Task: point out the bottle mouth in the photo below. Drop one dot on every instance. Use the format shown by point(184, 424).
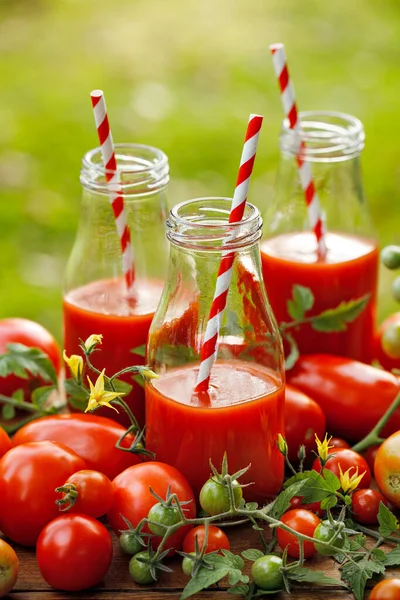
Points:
point(328, 136)
point(141, 170)
point(203, 224)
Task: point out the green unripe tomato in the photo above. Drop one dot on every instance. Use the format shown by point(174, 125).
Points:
point(162, 515)
point(396, 289)
point(140, 571)
point(129, 543)
point(214, 497)
point(390, 340)
point(324, 532)
point(266, 572)
point(187, 564)
point(390, 256)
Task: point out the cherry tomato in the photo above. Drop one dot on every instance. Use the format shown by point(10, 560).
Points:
point(346, 458)
point(387, 469)
point(187, 564)
point(266, 572)
point(337, 442)
point(390, 256)
point(303, 419)
point(29, 474)
point(140, 571)
point(365, 506)
point(370, 456)
point(214, 497)
point(162, 517)
point(133, 499)
point(387, 343)
point(129, 543)
point(8, 568)
point(94, 493)
point(388, 589)
point(92, 437)
point(5, 442)
point(303, 521)
point(315, 507)
point(74, 552)
point(324, 533)
point(29, 333)
point(217, 539)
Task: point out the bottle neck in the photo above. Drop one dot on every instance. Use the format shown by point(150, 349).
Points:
point(202, 225)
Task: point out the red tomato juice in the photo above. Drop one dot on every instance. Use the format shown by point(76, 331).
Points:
point(242, 414)
point(348, 271)
point(103, 307)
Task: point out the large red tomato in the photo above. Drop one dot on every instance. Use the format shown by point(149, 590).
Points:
point(303, 419)
point(133, 499)
point(346, 458)
point(29, 475)
point(5, 442)
point(91, 436)
point(387, 468)
point(74, 552)
point(29, 333)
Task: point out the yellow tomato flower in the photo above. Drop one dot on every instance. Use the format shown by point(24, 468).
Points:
point(282, 445)
point(350, 482)
point(99, 396)
point(75, 364)
point(95, 338)
point(323, 447)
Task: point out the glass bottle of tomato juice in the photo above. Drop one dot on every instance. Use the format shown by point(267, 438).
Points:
point(242, 411)
point(96, 298)
point(349, 270)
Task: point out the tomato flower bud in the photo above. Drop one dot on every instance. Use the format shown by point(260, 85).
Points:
point(350, 482)
point(92, 341)
point(282, 445)
point(148, 374)
point(75, 364)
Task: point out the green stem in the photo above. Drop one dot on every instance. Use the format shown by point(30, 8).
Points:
point(92, 367)
point(11, 429)
point(373, 438)
point(123, 404)
point(126, 370)
point(18, 403)
point(375, 534)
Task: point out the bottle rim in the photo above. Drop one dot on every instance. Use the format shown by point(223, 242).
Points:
point(142, 169)
point(328, 136)
point(203, 224)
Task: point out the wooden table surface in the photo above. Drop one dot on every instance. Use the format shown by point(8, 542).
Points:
point(118, 585)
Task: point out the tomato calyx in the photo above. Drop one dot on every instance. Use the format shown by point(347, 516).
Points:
point(153, 560)
point(70, 497)
point(133, 539)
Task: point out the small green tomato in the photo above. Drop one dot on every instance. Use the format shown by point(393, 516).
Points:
point(129, 543)
point(324, 532)
point(187, 564)
point(214, 497)
point(266, 572)
point(390, 256)
point(162, 517)
point(140, 571)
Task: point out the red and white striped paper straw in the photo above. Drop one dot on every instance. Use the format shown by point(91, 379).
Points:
point(289, 106)
point(112, 177)
point(209, 348)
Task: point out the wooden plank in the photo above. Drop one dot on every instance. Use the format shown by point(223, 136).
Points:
point(118, 584)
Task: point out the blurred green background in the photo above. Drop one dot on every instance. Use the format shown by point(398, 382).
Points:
point(182, 75)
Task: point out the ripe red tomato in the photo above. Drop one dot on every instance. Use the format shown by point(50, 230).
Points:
point(387, 469)
point(217, 539)
point(365, 506)
point(29, 333)
point(5, 442)
point(315, 507)
point(74, 552)
point(303, 419)
point(388, 589)
point(387, 343)
point(337, 442)
point(346, 458)
point(133, 499)
point(370, 456)
point(303, 521)
point(95, 493)
point(91, 436)
point(8, 568)
point(29, 474)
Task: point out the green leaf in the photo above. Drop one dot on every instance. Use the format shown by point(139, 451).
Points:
point(21, 360)
point(392, 559)
point(358, 542)
point(77, 395)
point(240, 590)
point(40, 395)
point(252, 554)
point(293, 356)
point(388, 522)
point(302, 300)
point(329, 502)
point(332, 480)
point(282, 502)
point(138, 379)
point(336, 319)
point(316, 487)
point(251, 505)
point(378, 555)
point(18, 395)
point(139, 350)
point(234, 576)
point(203, 579)
point(123, 386)
point(357, 574)
point(7, 412)
point(305, 575)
